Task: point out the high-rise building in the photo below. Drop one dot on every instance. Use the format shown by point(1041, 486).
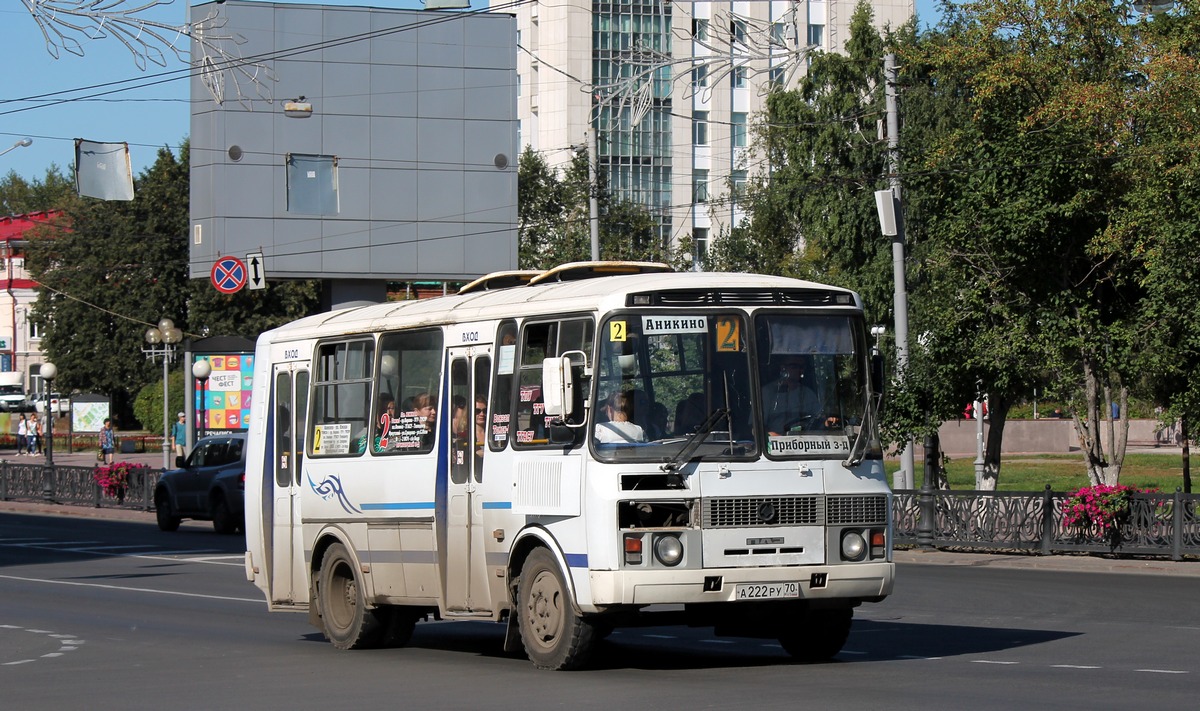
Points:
point(669, 89)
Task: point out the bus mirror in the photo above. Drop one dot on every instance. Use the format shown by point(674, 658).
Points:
point(877, 373)
point(558, 387)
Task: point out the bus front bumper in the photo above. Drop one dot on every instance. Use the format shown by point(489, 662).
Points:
point(856, 582)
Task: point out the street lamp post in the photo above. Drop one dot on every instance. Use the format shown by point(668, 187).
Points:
point(162, 340)
point(201, 369)
point(49, 371)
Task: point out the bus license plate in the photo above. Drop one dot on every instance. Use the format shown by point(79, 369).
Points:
point(766, 591)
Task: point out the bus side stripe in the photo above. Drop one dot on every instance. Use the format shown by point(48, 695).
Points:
point(497, 505)
point(576, 560)
point(398, 506)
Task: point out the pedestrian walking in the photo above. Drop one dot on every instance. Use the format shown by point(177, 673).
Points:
point(22, 435)
point(33, 431)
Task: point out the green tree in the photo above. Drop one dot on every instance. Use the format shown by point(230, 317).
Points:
point(19, 196)
point(812, 213)
point(553, 217)
point(1019, 193)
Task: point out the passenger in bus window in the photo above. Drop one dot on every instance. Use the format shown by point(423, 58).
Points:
point(619, 429)
point(480, 425)
point(791, 402)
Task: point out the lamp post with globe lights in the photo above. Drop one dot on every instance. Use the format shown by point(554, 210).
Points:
point(162, 340)
point(201, 369)
point(48, 371)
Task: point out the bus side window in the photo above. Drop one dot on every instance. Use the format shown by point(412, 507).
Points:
point(410, 369)
point(342, 397)
point(538, 342)
point(500, 423)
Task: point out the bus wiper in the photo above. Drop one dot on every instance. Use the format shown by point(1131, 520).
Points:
point(673, 465)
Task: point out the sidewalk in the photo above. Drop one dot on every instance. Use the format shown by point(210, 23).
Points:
point(86, 458)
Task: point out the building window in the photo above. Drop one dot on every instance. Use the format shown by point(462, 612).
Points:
point(699, 186)
point(35, 328)
point(778, 75)
point(700, 128)
point(779, 34)
point(738, 179)
point(738, 128)
point(312, 184)
point(699, 29)
point(699, 246)
point(737, 31)
point(700, 75)
point(816, 35)
point(739, 77)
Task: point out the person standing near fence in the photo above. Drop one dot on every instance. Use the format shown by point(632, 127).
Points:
point(108, 441)
point(179, 435)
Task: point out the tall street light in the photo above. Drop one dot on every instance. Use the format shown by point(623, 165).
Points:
point(201, 369)
point(48, 372)
point(23, 143)
point(162, 340)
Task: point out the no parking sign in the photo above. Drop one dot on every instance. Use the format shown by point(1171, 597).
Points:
point(229, 275)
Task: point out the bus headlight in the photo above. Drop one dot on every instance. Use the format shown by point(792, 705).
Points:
point(854, 546)
point(668, 550)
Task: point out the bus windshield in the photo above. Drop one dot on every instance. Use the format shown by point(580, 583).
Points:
point(812, 369)
point(662, 378)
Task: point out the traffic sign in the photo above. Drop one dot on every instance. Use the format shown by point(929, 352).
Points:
point(229, 275)
point(257, 278)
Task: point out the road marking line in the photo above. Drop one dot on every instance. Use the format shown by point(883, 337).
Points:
point(130, 589)
point(717, 641)
point(915, 656)
point(660, 636)
point(1162, 671)
point(1074, 666)
point(89, 549)
point(990, 661)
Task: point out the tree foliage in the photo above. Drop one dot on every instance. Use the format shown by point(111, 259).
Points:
point(553, 214)
point(19, 196)
point(812, 214)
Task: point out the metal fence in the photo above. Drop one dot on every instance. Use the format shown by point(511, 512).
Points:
point(1158, 524)
point(74, 485)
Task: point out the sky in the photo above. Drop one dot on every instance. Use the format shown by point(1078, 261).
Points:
point(147, 117)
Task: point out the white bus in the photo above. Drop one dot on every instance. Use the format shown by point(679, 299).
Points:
point(601, 445)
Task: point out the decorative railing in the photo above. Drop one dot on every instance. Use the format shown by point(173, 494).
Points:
point(33, 481)
point(1157, 524)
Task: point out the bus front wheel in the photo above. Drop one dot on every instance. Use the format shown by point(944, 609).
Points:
point(554, 636)
point(345, 619)
point(814, 636)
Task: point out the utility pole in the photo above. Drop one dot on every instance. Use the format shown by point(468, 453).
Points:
point(593, 201)
point(904, 478)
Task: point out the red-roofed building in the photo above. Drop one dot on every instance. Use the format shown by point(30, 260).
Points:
point(20, 341)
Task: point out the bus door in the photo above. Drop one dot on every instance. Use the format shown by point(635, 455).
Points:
point(289, 392)
point(466, 579)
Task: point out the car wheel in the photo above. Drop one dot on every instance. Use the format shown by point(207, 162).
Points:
point(223, 519)
point(167, 520)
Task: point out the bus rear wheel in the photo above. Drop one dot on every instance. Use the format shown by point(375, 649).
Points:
point(554, 635)
point(345, 619)
point(813, 636)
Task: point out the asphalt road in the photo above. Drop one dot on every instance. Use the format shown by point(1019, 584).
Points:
point(116, 614)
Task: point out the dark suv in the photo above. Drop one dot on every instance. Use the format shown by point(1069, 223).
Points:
point(208, 486)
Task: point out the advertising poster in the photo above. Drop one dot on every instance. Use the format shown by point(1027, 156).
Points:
point(226, 395)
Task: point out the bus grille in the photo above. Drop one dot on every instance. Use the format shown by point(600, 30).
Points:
point(843, 510)
point(764, 511)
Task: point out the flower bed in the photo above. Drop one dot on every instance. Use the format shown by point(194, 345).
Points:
point(113, 479)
